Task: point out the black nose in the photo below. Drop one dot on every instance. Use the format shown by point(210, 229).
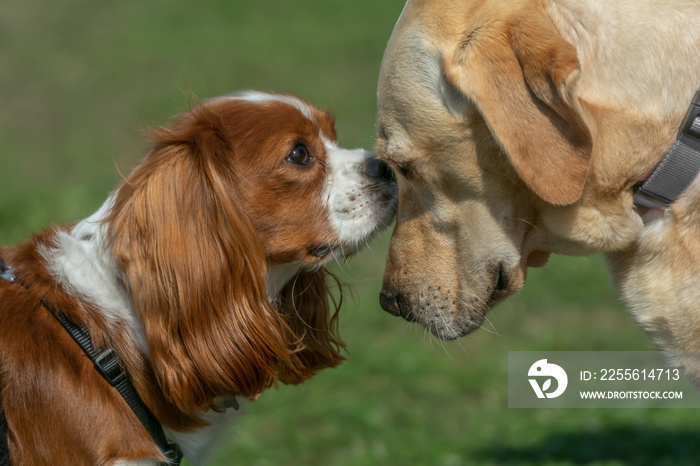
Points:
point(501, 279)
point(377, 168)
point(389, 304)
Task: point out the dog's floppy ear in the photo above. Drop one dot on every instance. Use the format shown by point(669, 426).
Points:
point(521, 74)
point(305, 303)
point(195, 269)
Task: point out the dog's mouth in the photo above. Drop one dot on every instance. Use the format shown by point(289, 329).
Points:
point(323, 250)
point(446, 314)
point(337, 251)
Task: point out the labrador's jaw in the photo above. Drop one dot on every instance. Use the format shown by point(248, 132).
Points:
point(436, 310)
point(451, 312)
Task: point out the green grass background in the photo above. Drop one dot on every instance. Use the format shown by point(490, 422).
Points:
point(80, 81)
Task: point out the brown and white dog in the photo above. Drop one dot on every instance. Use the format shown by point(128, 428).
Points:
point(204, 271)
point(519, 128)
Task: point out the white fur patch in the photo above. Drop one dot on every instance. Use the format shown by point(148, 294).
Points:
point(81, 263)
point(264, 97)
point(356, 211)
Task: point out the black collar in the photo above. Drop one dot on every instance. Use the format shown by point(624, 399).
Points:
point(679, 166)
point(109, 366)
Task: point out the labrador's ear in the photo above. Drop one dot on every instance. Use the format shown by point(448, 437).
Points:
point(521, 74)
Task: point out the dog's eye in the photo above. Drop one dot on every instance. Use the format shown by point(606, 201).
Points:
point(300, 155)
point(404, 170)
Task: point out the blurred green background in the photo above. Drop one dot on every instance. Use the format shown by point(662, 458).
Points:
point(80, 82)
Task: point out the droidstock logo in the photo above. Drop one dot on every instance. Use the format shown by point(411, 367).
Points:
point(545, 372)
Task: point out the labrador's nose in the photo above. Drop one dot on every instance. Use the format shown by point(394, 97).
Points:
point(389, 304)
point(377, 168)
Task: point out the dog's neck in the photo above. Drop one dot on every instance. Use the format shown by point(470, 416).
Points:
point(81, 263)
point(658, 276)
point(659, 271)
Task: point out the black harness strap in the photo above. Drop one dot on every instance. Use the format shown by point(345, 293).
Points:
point(108, 365)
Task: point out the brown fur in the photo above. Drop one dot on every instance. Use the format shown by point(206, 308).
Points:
point(193, 231)
point(43, 370)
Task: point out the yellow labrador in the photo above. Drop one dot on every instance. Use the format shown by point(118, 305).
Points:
point(520, 128)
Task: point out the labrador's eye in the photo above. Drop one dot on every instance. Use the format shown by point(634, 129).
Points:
point(300, 155)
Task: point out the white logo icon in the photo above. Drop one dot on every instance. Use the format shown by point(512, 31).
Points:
point(543, 369)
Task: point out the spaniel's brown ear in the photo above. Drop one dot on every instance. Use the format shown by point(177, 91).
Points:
point(521, 74)
point(311, 312)
point(195, 269)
